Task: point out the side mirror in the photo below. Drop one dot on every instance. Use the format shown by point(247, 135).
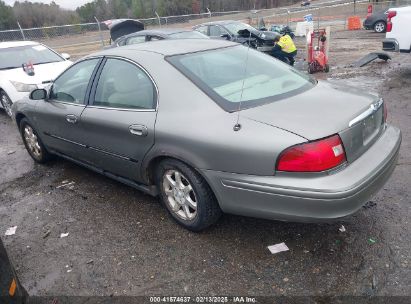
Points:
point(226, 36)
point(65, 56)
point(38, 94)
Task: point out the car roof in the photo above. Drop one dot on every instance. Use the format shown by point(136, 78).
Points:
point(12, 44)
point(166, 31)
point(222, 22)
point(167, 47)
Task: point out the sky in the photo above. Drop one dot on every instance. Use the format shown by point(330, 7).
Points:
point(68, 4)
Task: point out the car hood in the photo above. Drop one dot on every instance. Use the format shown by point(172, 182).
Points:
point(324, 110)
point(42, 72)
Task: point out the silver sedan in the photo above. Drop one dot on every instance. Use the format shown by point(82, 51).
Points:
point(210, 126)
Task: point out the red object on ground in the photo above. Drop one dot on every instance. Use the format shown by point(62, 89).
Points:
point(354, 23)
point(317, 52)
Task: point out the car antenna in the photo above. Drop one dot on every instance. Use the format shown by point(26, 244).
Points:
point(237, 126)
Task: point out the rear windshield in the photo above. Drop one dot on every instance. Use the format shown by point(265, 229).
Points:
point(188, 35)
point(11, 58)
point(238, 74)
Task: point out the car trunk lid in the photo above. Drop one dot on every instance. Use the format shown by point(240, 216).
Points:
point(325, 110)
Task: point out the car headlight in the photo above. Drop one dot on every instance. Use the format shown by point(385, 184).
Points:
point(23, 87)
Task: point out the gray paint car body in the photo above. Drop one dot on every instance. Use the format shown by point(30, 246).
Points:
point(157, 34)
point(238, 166)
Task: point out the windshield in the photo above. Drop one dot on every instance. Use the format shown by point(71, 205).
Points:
point(188, 35)
point(238, 26)
point(11, 58)
point(222, 74)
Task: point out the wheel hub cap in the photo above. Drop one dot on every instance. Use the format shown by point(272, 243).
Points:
point(32, 141)
point(180, 195)
point(7, 105)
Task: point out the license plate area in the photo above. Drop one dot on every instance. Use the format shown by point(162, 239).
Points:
point(371, 126)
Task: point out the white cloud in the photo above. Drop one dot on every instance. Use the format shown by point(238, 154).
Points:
point(68, 4)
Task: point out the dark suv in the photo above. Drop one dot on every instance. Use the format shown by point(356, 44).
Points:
point(377, 22)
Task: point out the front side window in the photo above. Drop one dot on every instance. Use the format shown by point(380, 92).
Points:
point(136, 40)
point(11, 58)
point(217, 31)
point(229, 78)
point(124, 85)
point(71, 86)
point(203, 30)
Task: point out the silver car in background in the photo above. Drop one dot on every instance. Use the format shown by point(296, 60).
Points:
point(211, 126)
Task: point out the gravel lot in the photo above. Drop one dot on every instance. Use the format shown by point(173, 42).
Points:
point(122, 242)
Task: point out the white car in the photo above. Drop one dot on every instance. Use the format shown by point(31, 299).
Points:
point(398, 37)
point(25, 66)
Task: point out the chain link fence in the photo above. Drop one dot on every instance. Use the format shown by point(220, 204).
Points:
point(81, 39)
point(333, 14)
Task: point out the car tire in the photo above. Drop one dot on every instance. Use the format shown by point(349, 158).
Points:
point(33, 143)
point(186, 195)
point(380, 27)
point(6, 103)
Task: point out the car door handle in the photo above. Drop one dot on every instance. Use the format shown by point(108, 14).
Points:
point(138, 130)
point(71, 118)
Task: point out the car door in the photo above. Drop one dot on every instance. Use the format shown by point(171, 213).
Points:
point(118, 125)
point(58, 117)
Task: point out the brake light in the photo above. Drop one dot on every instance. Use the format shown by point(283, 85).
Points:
point(315, 156)
point(390, 15)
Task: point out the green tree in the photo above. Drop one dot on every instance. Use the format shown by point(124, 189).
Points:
point(7, 19)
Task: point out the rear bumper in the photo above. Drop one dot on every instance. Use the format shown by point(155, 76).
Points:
point(309, 198)
point(390, 44)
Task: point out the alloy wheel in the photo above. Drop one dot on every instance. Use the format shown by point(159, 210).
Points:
point(6, 102)
point(181, 197)
point(32, 141)
point(379, 27)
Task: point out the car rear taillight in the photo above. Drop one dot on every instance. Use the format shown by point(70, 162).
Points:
point(390, 15)
point(315, 156)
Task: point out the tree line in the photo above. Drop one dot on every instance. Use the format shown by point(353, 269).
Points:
point(108, 9)
point(30, 14)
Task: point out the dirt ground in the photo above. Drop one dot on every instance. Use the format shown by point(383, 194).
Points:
point(122, 242)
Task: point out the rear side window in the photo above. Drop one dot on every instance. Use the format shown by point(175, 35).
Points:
point(124, 85)
point(188, 35)
point(136, 40)
point(238, 74)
